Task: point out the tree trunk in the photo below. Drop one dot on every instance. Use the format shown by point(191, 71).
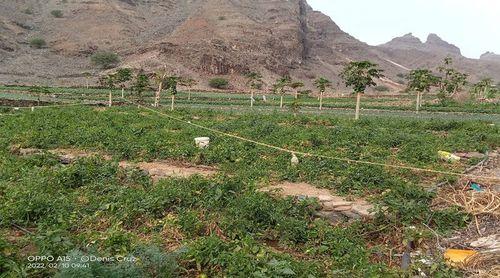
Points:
point(110, 102)
point(251, 99)
point(418, 102)
point(172, 105)
point(123, 92)
point(281, 101)
point(189, 95)
point(87, 83)
point(321, 101)
point(158, 95)
point(358, 106)
point(296, 94)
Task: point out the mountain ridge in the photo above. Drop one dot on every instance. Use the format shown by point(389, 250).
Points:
point(202, 39)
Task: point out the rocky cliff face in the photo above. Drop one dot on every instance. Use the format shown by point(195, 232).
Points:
point(198, 38)
point(434, 44)
point(409, 52)
point(490, 56)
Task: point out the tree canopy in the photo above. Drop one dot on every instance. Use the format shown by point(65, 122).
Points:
point(322, 83)
point(360, 75)
point(421, 80)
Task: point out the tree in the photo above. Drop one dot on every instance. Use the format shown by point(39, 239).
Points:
point(87, 76)
point(172, 82)
point(255, 83)
point(141, 84)
point(188, 82)
point(482, 88)
point(322, 83)
point(107, 81)
point(38, 43)
point(296, 86)
point(160, 78)
point(122, 76)
point(421, 81)
point(105, 60)
point(452, 80)
point(359, 76)
point(280, 87)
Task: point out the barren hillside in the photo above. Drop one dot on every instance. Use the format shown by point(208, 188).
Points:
point(199, 38)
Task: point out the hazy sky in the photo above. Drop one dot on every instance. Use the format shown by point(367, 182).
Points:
point(472, 25)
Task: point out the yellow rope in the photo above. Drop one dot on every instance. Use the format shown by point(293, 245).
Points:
point(306, 154)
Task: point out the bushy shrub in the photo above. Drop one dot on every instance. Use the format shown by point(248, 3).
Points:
point(105, 60)
point(218, 83)
point(381, 88)
point(57, 13)
point(38, 43)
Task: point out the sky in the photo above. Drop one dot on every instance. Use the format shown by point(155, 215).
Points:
point(472, 25)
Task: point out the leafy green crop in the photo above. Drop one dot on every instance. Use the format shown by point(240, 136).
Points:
point(222, 225)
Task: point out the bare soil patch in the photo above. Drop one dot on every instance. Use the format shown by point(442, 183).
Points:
point(156, 170)
point(164, 169)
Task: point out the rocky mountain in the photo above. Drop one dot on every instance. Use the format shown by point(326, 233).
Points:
point(490, 56)
point(411, 53)
point(199, 38)
point(434, 44)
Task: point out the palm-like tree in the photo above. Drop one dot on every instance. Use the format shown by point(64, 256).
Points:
point(87, 76)
point(171, 84)
point(160, 79)
point(359, 76)
point(188, 82)
point(140, 84)
point(280, 87)
point(296, 86)
point(122, 77)
point(254, 83)
point(421, 81)
point(452, 80)
point(481, 88)
point(322, 83)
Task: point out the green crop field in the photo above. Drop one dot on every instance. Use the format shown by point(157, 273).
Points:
point(222, 225)
point(402, 102)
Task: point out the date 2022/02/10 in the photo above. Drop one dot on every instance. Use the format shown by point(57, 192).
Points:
point(42, 262)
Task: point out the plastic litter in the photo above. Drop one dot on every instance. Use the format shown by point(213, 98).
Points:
point(457, 257)
point(489, 242)
point(295, 160)
point(202, 142)
point(476, 187)
point(446, 156)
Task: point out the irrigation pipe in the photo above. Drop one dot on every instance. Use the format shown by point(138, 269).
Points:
point(306, 154)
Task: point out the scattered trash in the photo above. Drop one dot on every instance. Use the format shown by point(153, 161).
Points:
point(457, 257)
point(448, 157)
point(489, 242)
point(202, 142)
point(469, 155)
point(295, 159)
point(476, 187)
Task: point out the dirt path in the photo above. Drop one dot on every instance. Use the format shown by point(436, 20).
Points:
point(157, 170)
